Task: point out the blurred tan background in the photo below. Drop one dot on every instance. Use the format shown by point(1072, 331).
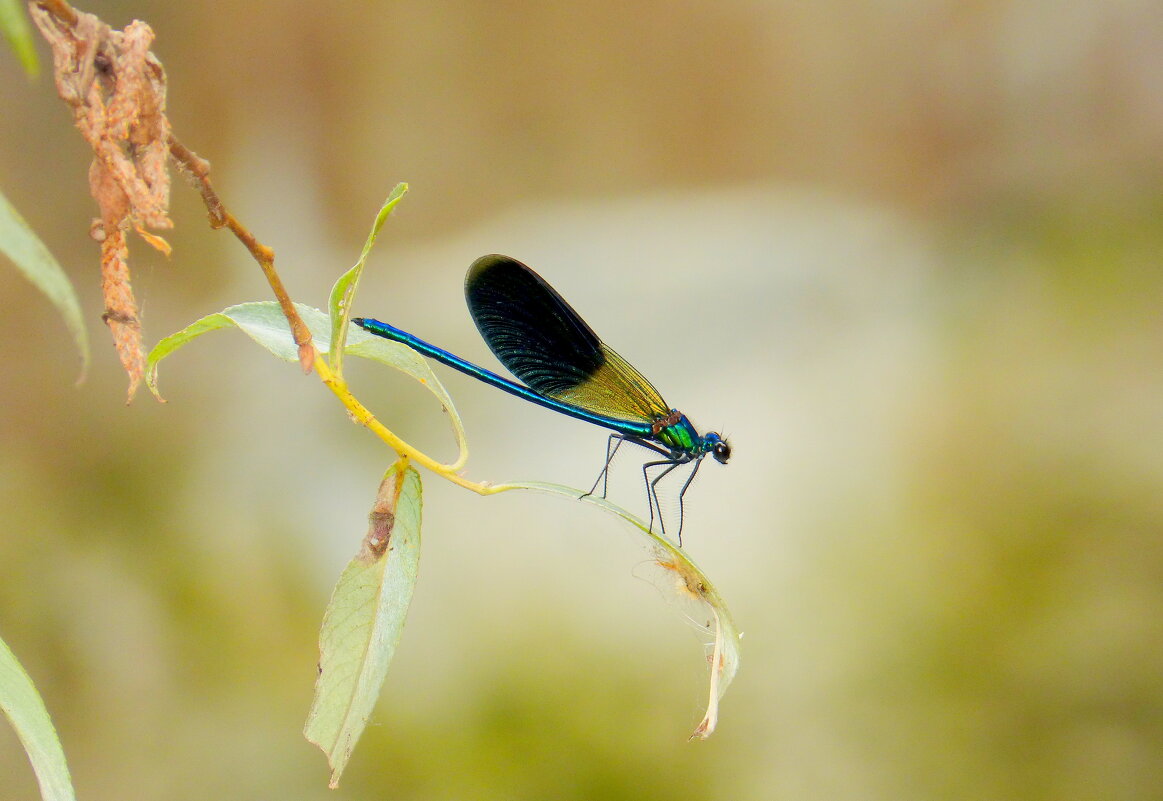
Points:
point(906, 255)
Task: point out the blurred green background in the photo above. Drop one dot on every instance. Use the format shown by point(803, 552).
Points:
point(906, 255)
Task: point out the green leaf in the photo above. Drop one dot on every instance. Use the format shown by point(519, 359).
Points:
point(364, 620)
point(33, 259)
point(15, 27)
point(174, 341)
point(339, 304)
point(683, 583)
point(265, 324)
point(24, 708)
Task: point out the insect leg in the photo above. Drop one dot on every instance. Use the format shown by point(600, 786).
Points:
point(652, 488)
point(604, 476)
point(681, 493)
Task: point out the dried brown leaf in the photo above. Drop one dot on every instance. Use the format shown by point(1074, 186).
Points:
point(117, 90)
point(121, 309)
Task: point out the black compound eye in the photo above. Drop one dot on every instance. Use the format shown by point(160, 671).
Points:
point(722, 452)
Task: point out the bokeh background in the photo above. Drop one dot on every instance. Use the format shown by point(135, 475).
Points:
point(905, 254)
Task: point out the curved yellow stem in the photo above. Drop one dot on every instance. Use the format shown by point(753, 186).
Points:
point(364, 417)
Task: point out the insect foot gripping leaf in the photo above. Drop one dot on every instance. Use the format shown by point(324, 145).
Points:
point(364, 620)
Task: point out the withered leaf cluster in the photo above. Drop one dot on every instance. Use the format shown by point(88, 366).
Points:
point(116, 89)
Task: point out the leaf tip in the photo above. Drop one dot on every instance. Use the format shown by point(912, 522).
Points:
point(704, 730)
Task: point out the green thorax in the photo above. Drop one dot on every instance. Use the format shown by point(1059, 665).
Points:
point(676, 432)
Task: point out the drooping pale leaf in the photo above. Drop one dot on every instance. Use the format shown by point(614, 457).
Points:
point(339, 303)
point(265, 324)
point(364, 620)
point(33, 259)
point(14, 25)
point(262, 321)
point(684, 584)
point(25, 709)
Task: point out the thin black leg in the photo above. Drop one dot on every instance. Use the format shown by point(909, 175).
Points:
point(604, 476)
point(652, 488)
point(681, 493)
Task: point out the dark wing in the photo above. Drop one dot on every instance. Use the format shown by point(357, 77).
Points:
point(542, 340)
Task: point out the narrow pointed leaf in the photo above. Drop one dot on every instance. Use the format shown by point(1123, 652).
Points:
point(14, 25)
point(265, 324)
point(684, 584)
point(364, 620)
point(25, 709)
point(339, 303)
point(20, 244)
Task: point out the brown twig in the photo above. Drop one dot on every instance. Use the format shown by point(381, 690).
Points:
point(116, 89)
point(61, 10)
point(197, 169)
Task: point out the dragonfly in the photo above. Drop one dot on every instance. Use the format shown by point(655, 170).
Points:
point(565, 367)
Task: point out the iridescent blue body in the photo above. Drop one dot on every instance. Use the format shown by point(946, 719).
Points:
point(566, 368)
point(673, 431)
